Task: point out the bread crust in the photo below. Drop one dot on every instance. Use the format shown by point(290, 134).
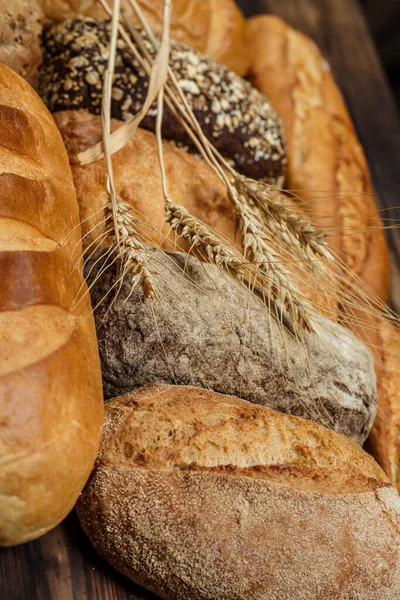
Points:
point(215, 525)
point(191, 182)
point(50, 381)
point(325, 159)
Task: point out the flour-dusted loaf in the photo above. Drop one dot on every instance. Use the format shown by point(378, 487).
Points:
point(21, 24)
point(214, 27)
point(234, 116)
point(326, 163)
point(207, 331)
point(51, 403)
point(201, 496)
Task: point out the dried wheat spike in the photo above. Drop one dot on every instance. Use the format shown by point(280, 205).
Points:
point(134, 254)
point(259, 251)
point(199, 236)
point(296, 232)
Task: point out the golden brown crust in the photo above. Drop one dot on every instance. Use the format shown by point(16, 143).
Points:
point(228, 518)
point(191, 182)
point(166, 427)
point(21, 24)
point(325, 159)
point(214, 27)
point(50, 381)
point(384, 440)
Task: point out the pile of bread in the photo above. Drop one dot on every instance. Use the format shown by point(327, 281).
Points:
point(210, 471)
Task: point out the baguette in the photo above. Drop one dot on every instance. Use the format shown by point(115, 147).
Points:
point(326, 163)
point(325, 154)
point(51, 406)
point(203, 496)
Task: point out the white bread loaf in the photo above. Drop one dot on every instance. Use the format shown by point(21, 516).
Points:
point(201, 496)
point(51, 406)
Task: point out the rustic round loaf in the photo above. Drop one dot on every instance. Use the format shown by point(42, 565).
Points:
point(215, 27)
point(206, 330)
point(21, 24)
point(234, 116)
point(203, 496)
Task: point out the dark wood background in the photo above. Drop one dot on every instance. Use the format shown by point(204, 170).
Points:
point(62, 565)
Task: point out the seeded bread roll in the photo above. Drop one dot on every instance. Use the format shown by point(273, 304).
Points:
point(239, 121)
point(326, 163)
point(203, 496)
point(51, 401)
point(214, 27)
point(21, 24)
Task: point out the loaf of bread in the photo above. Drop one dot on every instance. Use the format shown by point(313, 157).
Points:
point(198, 495)
point(21, 24)
point(326, 164)
point(207, 331)
point(213, 27)
point(51, 403)
point(234, 116)
point(325, 156)
point(191, 182)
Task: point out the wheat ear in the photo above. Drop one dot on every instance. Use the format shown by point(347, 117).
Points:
point(284, 223)
point(135, 256)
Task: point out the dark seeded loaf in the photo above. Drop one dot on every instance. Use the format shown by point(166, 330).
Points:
point(238, 120)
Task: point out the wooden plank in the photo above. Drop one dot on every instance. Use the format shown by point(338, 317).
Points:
point(63, 565)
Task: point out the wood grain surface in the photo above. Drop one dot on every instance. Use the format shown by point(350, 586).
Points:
point(62, 565)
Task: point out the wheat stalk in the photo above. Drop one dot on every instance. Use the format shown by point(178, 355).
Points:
point(290, 231)
point(258, 250)
point(135, 256)
point(201, 238)
point(297, 232)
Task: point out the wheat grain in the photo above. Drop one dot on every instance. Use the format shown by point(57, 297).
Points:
point(203, 239)
point(297, 233)
point(135, 256)
point(259, 251)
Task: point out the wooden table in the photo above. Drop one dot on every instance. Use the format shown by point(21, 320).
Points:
point(62, 565)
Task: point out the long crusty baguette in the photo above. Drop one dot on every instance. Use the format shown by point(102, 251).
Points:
point(324, 155)
point(51, 405)
point(326, 163)
point(203, 496)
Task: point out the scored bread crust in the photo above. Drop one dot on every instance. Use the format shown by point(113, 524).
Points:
point(204, 496)
point(51, 403)
point(326, 163)
point(215, 27)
